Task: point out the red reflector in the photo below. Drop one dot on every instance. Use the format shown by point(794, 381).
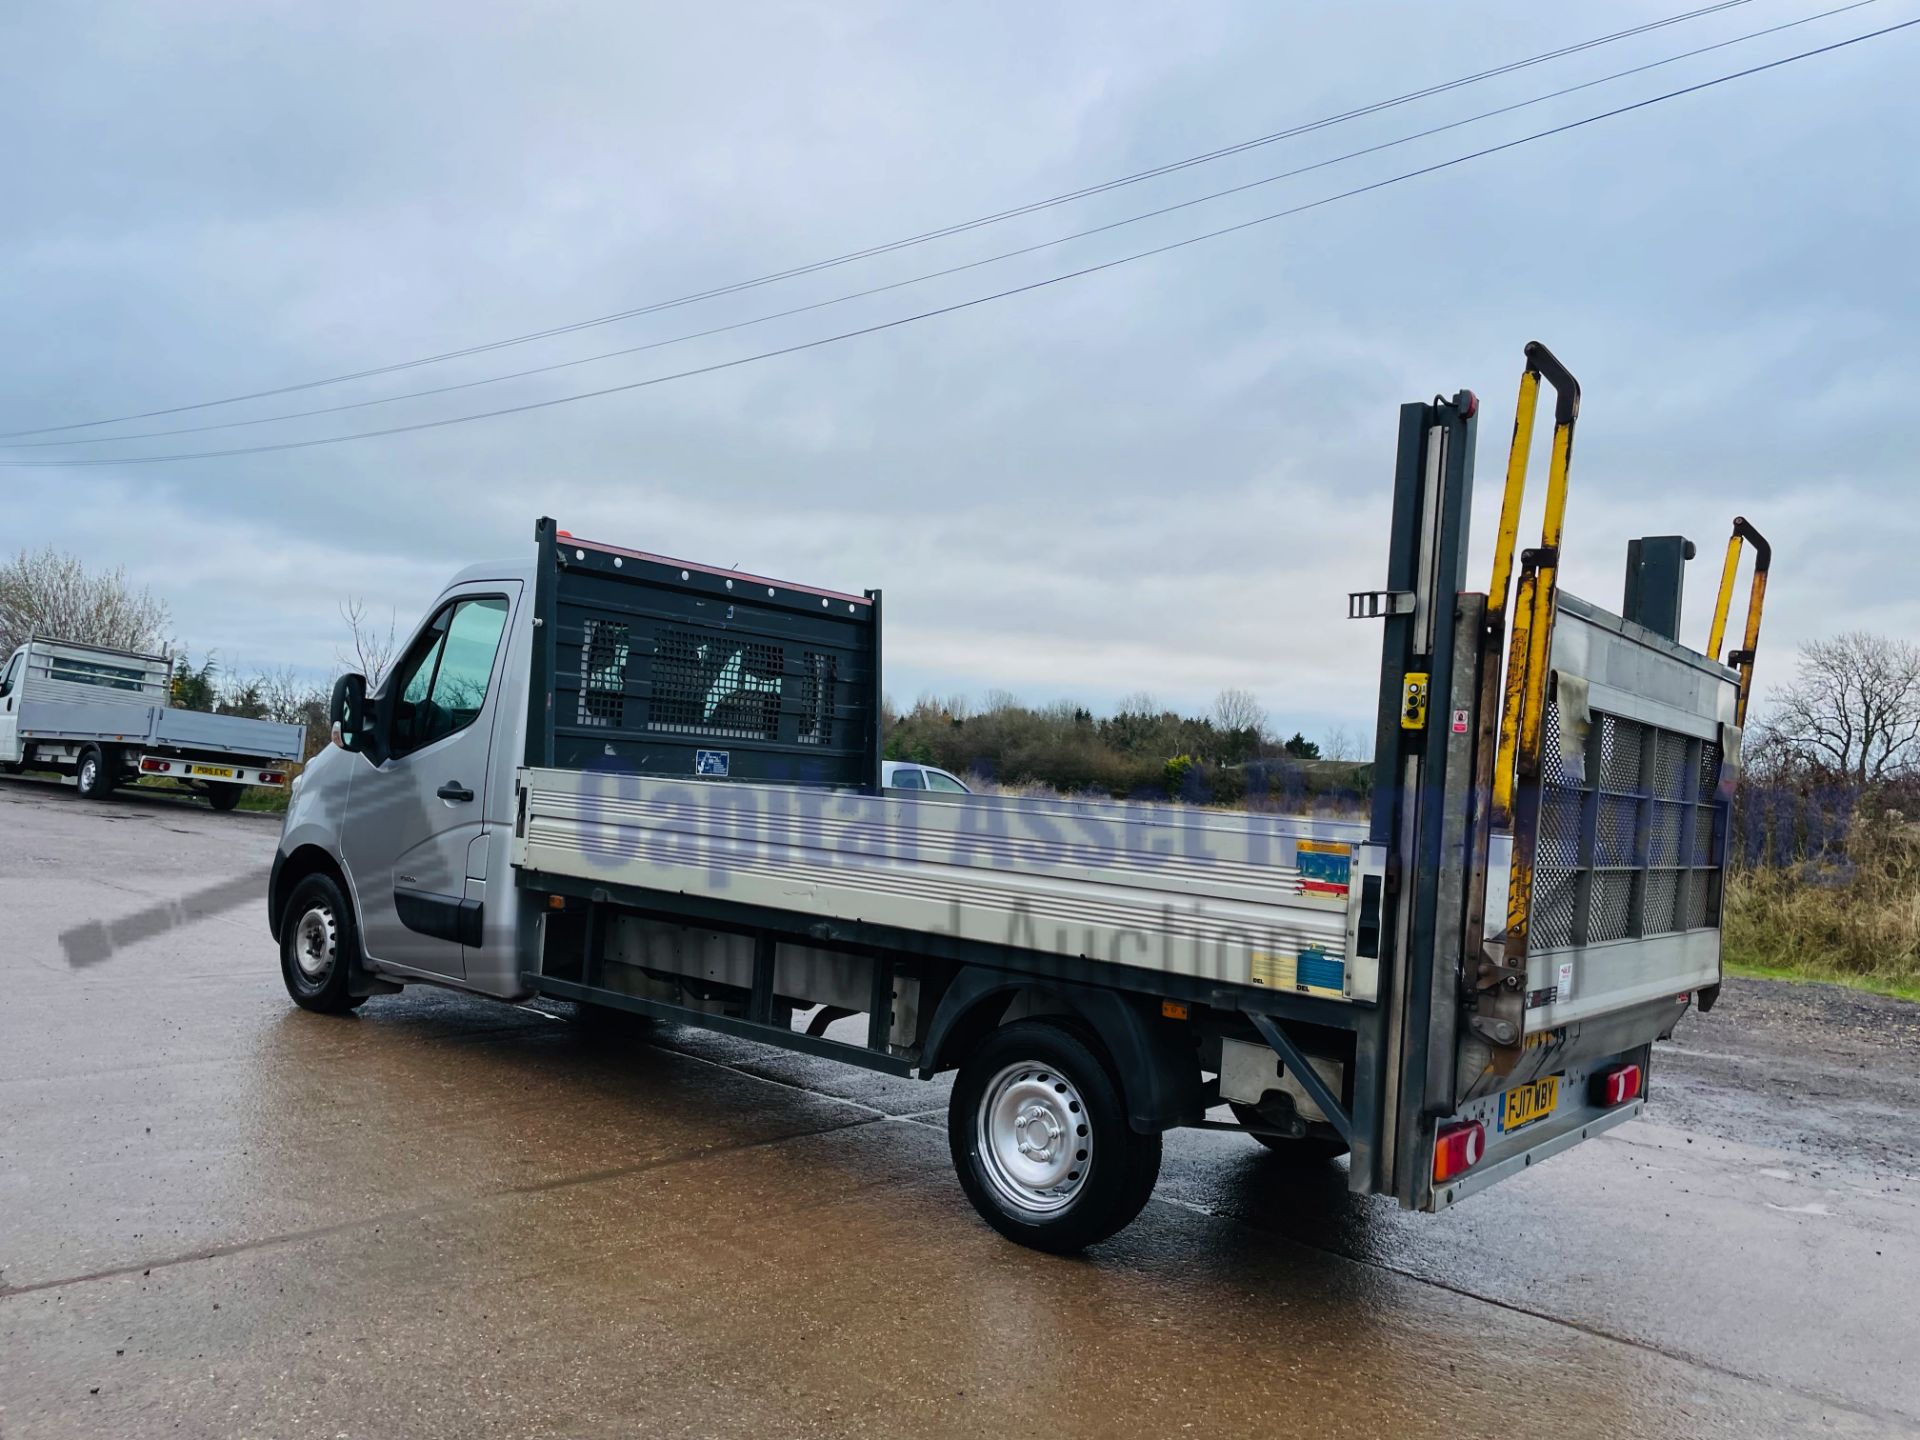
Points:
point(1616, 1086)
point(1457, 1150)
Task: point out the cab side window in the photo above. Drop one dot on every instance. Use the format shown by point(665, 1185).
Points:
point(909, 780)
point(441, 683)
point(12, 673)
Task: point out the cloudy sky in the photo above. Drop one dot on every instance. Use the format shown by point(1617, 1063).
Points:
point(1163, 477)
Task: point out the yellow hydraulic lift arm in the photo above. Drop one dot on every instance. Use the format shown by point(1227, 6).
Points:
point(1498, 971)
point(1741, 659)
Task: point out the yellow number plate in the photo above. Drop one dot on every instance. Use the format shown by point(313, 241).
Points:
point(223, 772)
point(1528, 1103)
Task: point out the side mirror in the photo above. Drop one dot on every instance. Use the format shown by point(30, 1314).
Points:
point(347, 712)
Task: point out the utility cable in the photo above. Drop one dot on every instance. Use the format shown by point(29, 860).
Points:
point(1041, 284)
point(923, 237)
point(934, 274)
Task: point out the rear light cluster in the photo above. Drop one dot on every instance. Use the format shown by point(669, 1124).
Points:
point(1616, 1086)
point(165, 767)
point(1457, 1149)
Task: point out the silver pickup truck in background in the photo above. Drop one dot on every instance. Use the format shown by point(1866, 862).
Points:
point(101, 716)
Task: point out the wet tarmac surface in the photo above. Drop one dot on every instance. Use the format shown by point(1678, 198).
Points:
point(445, 1216)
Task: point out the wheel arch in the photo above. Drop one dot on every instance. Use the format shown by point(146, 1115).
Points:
point(293, 867)
point(1158, 1079)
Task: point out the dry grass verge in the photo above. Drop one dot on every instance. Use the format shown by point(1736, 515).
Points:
point(1854, 917)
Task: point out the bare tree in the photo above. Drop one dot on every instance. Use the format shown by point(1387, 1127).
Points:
point(242, 698)
point(1852, 709)
point(371, 647)
point(1240, 710)
point(1340, 743)
point(49, 593)
point(285, 697)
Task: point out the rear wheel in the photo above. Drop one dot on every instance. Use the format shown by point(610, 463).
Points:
point(1040, 1138)
point(316, 938)
point(1306, 1150)
point(95, 777)
point(224, 797)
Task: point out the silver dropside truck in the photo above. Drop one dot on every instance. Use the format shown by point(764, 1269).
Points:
point(652, 787)
point(101, 716)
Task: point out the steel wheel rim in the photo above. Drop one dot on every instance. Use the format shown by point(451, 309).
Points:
point(89, 772)
point(314, 943)
point(1034, 1139)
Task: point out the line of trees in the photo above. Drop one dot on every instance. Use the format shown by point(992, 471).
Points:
point(281, 694)
point(1143, 749)
point(1834, 754)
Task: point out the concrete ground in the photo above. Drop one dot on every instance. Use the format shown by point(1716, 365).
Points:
point(220, 1215)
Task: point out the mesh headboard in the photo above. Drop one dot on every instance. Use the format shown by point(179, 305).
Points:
point(660, 667)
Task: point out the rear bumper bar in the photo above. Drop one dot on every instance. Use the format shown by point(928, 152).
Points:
point(170, 767)
point(1508, 1155)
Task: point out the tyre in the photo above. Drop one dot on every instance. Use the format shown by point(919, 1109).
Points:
point(95, 776)
point(1039, 1135)
point(224, 797)
point(317, 936)
point(1307, 1150)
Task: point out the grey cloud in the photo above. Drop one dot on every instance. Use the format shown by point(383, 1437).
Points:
point(1174, 470)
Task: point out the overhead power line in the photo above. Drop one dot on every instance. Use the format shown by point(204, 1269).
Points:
point(923, 237)
point(977, 300)
point(949, 270)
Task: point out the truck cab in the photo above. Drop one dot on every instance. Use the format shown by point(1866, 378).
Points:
point(11, 751)
point(430, 793)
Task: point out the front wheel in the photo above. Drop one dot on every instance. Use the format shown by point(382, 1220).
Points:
point(316, 937)
point(1040, 1138)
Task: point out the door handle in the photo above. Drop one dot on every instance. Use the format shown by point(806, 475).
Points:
point(454, 790)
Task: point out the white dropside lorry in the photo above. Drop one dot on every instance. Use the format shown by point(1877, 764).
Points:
point(101, 716)
point(653, 787)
